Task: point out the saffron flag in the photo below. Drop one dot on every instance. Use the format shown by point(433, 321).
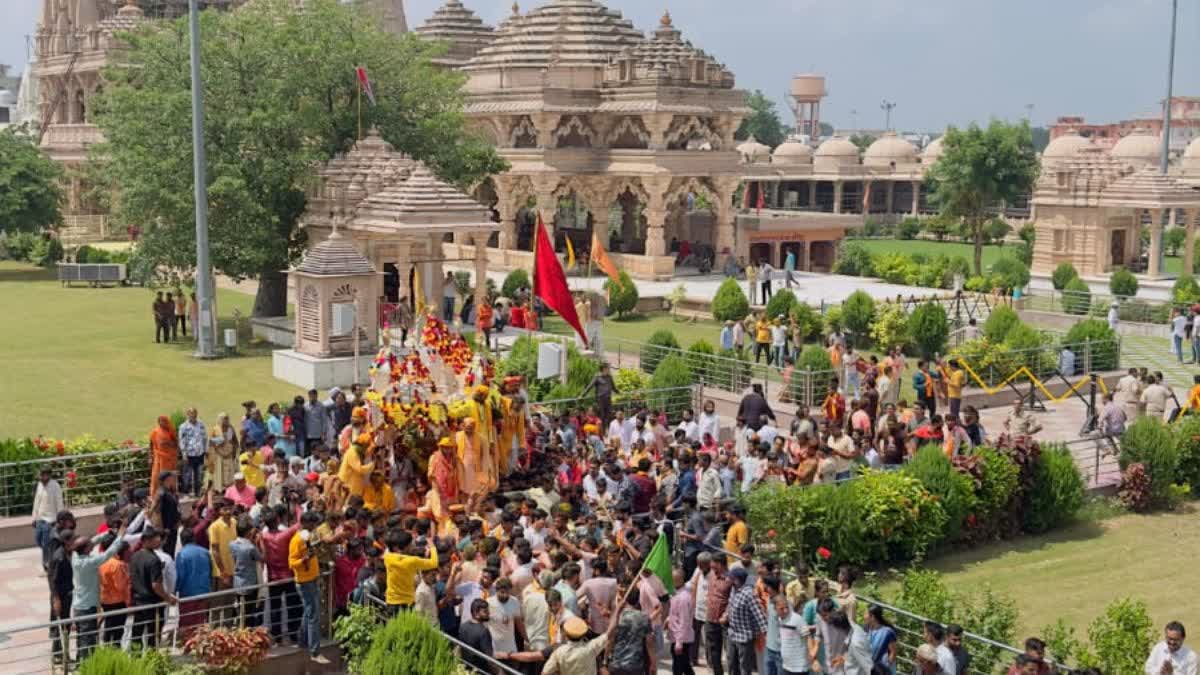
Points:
point(761, 201)
point(600, 257)
point(364, 84)
point(867, 199)
point(570, 254)
point(550, 283)
point(659, 563)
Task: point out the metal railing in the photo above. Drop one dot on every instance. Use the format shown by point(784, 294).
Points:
point(1097, 305)
point(59, 646)
point(727, 372)
point(997, 364)
point(86, 479)
point(1098, 459)
point(671, 401)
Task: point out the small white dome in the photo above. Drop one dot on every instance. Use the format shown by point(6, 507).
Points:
point(792, 152)
point(752, 151)
point(933, 152)
point(1066, 146)
point(835, 152)
point(1139, 148)
point(889, 149)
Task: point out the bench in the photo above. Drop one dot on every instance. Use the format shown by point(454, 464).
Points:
point(92, 273)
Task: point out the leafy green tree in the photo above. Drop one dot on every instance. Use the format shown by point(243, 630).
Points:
point(30, 189)
point(940, 227)
point(1063, 274)
point(780, 304)
point(858, 311)
point(854, 260)
point(1123, 282)
point(929, 328)
point(1173, 239)
point(863, 141)
point(908, 228)
point(980, 169)
point(622, 297)
point(996, 230)
point(730, 303)
point(280, 97)
point(515, 282)
point(763, 122)
point(1012, 273)
point(1185, 290)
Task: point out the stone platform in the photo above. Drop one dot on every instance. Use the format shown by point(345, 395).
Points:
point(310, 372)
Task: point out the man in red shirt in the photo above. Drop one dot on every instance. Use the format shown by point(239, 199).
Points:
point(275, 553)
point(645, 488)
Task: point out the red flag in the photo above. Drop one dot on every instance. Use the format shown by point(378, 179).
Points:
point(550, 283)
point(365, 84)
point(761, 201)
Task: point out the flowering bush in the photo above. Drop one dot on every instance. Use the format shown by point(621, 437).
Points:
point(1134, 492)
point(222, 650)
point(1152, 444)
point(87, 479)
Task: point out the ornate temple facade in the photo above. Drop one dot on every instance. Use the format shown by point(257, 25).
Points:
point(607, 130)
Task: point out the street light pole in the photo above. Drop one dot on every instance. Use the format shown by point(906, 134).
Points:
point(1166, 136)
point(887, 107)
point(206, 324)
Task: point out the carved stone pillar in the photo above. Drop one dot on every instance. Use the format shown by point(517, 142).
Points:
point(891, 196)
point(545, 123)
point(916, 198)
point(547, 204)
point(837, 196)
point(727, 126)
point(656, 214)
point(1154, 267)
point(725, 237)
point(481, 239)
point(658, 124)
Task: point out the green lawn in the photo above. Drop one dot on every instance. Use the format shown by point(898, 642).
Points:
point(83, 360)
point(640, 327)
point(991, 253)
point(1075, 572)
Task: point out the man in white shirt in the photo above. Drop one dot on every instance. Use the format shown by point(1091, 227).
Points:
point(689, 426)
point(47, 502)
point(505, 618)
point(699, 584)
point(795, 637)
point(1178, 332)
point(708, 483)
point(767, 432)
point(1171, 656)
point(1196, 337)
point(710, 422)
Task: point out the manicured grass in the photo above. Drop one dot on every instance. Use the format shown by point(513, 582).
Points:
point(83, 361)
point(928, 247)
point(1075, 572)
point(640, 327)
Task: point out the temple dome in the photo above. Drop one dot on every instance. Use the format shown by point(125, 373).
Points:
point(666, 56)
point(933, 152)
point(1139, 148)
point(890, 149)
point(752, 151)
point(465, 32)
point(835, 152)
point(335, 257)
point(792, 152)
point(1067, 146)
point(561, 33)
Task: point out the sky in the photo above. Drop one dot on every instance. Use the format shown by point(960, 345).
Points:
point(941, 61)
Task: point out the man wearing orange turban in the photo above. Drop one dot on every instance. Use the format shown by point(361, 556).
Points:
point(357, 465)
point(358, 425)
point(478, 467)
point(446, 472)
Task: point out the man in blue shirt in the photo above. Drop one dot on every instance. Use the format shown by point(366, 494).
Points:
point(193, 577)
point(727, 336)
point(85, 600)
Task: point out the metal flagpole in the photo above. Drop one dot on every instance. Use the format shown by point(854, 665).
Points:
point(1166, 137)
point(205, 331)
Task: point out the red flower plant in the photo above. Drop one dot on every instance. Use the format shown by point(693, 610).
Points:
point(770, 534)
point(72, 480)
point(825, 553)
point(62, 449)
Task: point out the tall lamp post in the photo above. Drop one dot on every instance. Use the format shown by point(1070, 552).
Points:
point(1166, 136)
point(887, 107)
point(206, 325)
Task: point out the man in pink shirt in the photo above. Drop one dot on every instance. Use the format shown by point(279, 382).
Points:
point(679, 625)
point(240, 492)
point(275, 540)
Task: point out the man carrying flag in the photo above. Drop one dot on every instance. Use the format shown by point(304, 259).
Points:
point(550, 283)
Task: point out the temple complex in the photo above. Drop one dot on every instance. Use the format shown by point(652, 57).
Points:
point(606, 130)
point(1090, 205)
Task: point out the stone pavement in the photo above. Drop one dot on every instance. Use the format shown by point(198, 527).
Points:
point(24, 601)
point(1154, 353)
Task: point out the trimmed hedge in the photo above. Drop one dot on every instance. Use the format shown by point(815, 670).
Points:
point(730, 302)
point(657, 346)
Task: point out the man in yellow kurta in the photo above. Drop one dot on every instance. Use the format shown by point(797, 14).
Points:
point(481, 412)
point(358, 426)
point(378, 495)
point(512, 432)
point(357, 465)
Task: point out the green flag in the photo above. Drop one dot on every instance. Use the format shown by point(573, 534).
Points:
point(659, 562)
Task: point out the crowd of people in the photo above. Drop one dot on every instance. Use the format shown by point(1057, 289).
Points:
point(523, 535)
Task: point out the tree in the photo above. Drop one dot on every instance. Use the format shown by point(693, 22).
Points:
point(863, 141)
point(981, 169)
point(730, 303)
point(1123, 282)
point(515, 282)
point(1062, 275)
point(280, 98)
point(996, 230)
point(929, 328)
point(30, 190)
point(858, 311)
point(763, 122)
point(1173, 238)
point(623, 296)
point(1012, 273)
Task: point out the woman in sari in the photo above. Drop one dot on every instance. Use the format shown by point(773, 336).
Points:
point(164, 451)
point(221, 462)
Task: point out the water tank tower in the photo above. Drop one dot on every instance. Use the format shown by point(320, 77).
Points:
point(806, 93)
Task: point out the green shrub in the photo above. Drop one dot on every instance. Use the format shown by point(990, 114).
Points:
point(1096, 335)
point(1185, 291)
point(1119, 641)
point(858, 311)
point(1077, 297)
point(980, 284)
point(895, 268)
point(1187, 440)
point(19, 245)
point(354, 631)
point(671, 373)
point(700, 360)
point(780, 304)
point(409, 645)
point(890, 328)
point(929, 328)
point(1057, 491)
point(1012, 273)
point(87, 254)
point(901, 520)
point(995, 230)
point(999, 323)
point(516, 281)
point(908, 228)
point(834, 321)
point(997, 484)
point(623, 296)
point(114, 661)
point(941, 226)
point(1062, 275)
point(808, 319)
point(660, 344)
point(46, 251)
point(730, 303)
point(854, 260)
point(1152, 444)
point(954, 490)
point(1123, 282)
point(814, 358)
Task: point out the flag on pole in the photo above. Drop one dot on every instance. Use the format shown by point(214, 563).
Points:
point(659, 563)
point(761, 201)
point(550, 283)
point(605, 263)
point(364, 84)
point(867, 199)
point(570, 254)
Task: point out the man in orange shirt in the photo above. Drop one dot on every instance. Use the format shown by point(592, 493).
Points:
point(115, 588)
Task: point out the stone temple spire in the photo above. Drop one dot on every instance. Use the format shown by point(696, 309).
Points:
point(391, 13)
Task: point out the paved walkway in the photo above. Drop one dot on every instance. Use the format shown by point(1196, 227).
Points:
point(1154, 353)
